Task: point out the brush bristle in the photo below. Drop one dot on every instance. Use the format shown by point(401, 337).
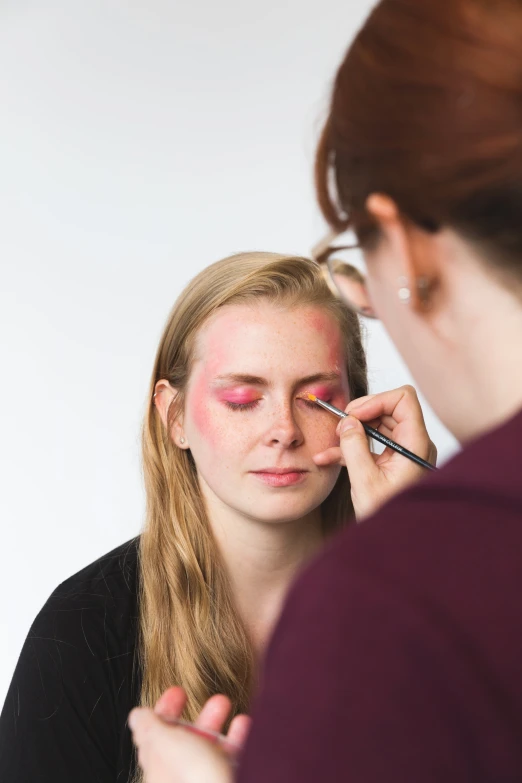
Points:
point(312, 397)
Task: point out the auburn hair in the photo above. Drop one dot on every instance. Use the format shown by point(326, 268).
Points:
point(427, 109)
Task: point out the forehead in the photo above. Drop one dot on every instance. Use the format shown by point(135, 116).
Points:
point(263, 336)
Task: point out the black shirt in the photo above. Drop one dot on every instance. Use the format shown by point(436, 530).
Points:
point(65, 715)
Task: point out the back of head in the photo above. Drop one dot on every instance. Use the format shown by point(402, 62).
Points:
point(427, 108)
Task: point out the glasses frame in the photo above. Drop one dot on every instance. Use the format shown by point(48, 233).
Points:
point(322, 253)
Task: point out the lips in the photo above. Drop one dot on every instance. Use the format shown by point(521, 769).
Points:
point(281, 477)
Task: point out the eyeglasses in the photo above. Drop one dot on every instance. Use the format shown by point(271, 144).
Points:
point(345, 272)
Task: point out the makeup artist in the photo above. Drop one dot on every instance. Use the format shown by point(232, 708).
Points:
point(398, 654)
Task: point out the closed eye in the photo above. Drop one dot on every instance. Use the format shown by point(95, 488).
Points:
point(312, 404)
point(241, 406)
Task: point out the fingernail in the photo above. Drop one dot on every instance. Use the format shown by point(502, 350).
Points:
point(346, 424)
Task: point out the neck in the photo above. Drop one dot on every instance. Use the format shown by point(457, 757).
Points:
point(495, 379)
point(262, 559)
point(482, 334)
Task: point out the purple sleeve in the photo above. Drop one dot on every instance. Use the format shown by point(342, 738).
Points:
point(358, 686)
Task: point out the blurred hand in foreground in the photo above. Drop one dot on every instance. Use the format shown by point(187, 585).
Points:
point(173, 753)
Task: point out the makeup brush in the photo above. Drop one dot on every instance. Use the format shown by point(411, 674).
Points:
point(375, 434)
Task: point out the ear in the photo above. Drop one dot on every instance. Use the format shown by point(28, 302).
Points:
point(417, 269)
point(164, 396)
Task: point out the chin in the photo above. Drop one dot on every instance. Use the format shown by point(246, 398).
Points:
point(284, 510)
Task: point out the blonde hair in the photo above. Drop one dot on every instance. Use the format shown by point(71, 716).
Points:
point(190, 631)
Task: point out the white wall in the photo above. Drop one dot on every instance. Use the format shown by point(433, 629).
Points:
point(139, 141)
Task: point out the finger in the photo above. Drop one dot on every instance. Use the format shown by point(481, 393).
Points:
point(139, 720)
point(214, 714)
point(332, 456)
point(239, 729)
point(360, 400)
point(151, 736)
point(142, 722)
point(385, 455)
point(432, 453)
point(385, 431)
point(388, 421)
point(355, 448)
point(171, 704)
point(402, 404)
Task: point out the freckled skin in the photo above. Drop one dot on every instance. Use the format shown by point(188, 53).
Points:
point(282, 430)
point(320, 322)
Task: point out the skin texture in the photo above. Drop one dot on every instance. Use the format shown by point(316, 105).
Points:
point(244, 414)
point(466, 322)
point(276, 428)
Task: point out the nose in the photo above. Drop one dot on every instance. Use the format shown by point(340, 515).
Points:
point(283, 429)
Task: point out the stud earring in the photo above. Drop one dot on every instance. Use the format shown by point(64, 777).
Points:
point(404, 292)
point(182, 440)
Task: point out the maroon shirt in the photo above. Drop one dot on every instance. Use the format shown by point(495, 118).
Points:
point(398, 656)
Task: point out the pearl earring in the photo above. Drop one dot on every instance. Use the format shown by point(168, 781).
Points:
point(404, 291)
point(182, 440)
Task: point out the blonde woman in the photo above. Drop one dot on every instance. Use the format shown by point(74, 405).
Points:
point(243, 487)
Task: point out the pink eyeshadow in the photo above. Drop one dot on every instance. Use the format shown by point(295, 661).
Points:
point(322, 392)
point(239, 396)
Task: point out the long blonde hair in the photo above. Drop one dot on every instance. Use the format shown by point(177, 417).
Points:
point(190, 631)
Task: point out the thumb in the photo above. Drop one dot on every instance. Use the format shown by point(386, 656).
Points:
point(357, 455)
point(141, 722)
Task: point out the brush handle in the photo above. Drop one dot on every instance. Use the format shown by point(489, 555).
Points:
point(376, 435)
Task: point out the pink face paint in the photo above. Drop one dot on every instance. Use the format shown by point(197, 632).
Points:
point(260, 463)
point(199, 402)
point(322, 322)
point(240, 395)
point(322, 391)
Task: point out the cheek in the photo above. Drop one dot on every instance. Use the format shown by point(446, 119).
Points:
point(202, 424)
point(198, 407)
point(320, 432)
point(216, 431)
point(320, 425)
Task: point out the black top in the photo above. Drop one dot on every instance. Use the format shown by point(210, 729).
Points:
point(65, 716)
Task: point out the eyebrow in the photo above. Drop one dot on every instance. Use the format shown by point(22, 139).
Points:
point(256, 380)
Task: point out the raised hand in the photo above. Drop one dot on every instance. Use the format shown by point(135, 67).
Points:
point(375, 478)
point(212, 718)
point(170, 752)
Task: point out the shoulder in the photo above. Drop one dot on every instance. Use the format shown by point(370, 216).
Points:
point(94, 612)
point(451, 542)
point(465, 499)
point(424, 592)
point(111, 576)
point(76, 678)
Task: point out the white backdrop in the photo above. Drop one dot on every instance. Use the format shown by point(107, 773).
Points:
point(139, 141)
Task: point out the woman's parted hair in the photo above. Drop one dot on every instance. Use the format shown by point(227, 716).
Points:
point(427, 108)
point(190, 631)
